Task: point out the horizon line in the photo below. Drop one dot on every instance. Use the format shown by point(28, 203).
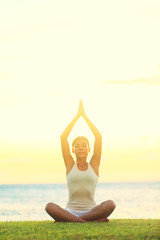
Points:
point(2, 184)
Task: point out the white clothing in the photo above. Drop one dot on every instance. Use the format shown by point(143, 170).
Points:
point(81, 186)
point(76, 213)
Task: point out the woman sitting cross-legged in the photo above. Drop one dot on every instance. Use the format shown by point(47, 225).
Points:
point(82, 178)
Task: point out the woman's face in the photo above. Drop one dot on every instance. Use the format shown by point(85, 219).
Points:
point(81, 148)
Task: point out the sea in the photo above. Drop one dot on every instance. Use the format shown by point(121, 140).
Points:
point(136, 200)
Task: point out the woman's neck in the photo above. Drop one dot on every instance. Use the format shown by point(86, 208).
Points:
point(82, 166)
point(81, 162)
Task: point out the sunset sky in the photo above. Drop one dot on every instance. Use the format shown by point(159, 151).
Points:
point(54, 53)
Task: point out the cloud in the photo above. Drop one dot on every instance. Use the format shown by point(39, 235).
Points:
point(153, 80)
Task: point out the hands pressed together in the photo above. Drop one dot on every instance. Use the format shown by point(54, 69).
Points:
point(81, 111)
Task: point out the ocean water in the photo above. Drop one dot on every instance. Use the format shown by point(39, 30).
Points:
point(27, 202)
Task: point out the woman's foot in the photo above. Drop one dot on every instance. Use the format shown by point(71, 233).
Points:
point(102, 220)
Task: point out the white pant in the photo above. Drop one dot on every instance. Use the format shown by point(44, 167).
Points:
point(76, 213)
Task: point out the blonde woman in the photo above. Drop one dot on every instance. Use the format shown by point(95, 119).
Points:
point(82, 178)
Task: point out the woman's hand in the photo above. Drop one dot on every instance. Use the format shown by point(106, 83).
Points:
point(81, 111)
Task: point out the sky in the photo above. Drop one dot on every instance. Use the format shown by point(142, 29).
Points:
point(54, 53)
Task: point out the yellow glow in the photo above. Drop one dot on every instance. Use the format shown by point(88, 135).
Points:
point(52, 55)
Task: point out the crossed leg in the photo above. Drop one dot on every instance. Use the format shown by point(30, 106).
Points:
point(61, 215)
point(98, 213)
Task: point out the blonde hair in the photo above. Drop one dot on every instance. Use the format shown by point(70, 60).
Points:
point(79, 137)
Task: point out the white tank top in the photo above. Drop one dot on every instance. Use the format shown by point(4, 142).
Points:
point(81, 186)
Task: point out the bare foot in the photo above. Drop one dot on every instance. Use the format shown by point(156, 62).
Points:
point(102, 220)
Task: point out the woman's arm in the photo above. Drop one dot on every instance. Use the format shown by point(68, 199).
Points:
point(68, 159)
point(95, 160)
point(68, 129)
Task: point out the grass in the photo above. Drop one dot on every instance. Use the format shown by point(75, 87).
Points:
point(117, 229)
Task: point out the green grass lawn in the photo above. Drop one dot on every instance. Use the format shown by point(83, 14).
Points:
point(116, 229)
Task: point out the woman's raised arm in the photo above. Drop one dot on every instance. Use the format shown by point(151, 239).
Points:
point(68, 159)
point(95, 160)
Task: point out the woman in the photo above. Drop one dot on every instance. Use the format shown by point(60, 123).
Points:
point(82, 178)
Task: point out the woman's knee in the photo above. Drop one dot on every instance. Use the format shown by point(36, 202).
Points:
point(110, 203)
point(50, 207)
